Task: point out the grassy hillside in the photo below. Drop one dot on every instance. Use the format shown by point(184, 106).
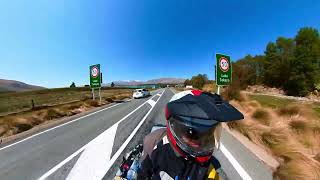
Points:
point(21, 101)
point(50, 105)
point(16, 86)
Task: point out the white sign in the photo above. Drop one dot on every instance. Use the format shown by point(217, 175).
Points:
point(94, 71)
point(224, 65)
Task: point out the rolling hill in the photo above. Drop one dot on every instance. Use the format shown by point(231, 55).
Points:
point(17, 86)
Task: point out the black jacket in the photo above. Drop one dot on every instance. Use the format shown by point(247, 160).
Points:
point(161, 162)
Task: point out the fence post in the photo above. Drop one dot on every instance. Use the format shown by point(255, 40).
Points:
point(32, 104)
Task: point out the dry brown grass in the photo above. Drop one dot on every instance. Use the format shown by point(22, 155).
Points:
point(21, 101)
point(317, 157)
point(291, 133)
point(210, 88)
point(262, 116)
point(23, 121)
point(298, 125)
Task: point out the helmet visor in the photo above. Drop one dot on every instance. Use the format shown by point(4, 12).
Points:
point(193, 137)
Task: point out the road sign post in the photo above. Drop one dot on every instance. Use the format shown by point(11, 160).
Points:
point(223, 71)
point(95, 79)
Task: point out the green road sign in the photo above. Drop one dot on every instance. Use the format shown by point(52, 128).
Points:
point(223, 70)
point(95, 76)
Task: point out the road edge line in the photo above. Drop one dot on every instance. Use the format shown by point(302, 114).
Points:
point(56, 167)
point(66, 123)
point(124, 145)
point(243, 173)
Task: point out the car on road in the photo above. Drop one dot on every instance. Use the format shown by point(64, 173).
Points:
point(140, 93)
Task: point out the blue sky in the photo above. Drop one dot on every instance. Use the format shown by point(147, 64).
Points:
point(52, 43)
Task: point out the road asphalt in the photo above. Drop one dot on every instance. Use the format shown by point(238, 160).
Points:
point(92, 147)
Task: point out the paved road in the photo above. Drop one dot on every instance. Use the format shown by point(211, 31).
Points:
point(92, 147)
point(32, 158)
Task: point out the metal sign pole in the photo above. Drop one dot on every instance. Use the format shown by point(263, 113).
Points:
point(93, 93)
point(100, 94)
point(218, 90)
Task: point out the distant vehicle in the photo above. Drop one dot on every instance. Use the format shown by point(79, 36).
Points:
point(140, 93)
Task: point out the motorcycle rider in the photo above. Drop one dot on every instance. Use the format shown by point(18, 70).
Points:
point(183, 150)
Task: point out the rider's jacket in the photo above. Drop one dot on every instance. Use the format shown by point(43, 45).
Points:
point(160, 161)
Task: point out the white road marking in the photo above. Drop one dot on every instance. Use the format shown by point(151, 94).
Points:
point(235, 163)
point(58, 126)
point(91, 163)
point(55, 168)
point(151, 102)
point(124, 145)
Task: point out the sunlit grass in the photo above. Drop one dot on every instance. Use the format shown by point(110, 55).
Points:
point(271, 101)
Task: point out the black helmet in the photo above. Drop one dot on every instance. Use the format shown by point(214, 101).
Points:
point(192, 119)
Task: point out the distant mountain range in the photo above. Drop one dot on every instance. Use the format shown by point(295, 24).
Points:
point(152, 81)
point(17, 86)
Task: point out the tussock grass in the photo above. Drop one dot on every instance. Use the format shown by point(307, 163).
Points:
point(317, 157)
point(23, 121)
point(108, 99)
point(273, 138)
point(262, 116)
point(210, 88)
point(298, 166)
point(93, 103)
point(298, 125)
point(21, 101)
point(73, 106)
point(316, 128)
point(288, 110)
point(240, 127)
point(53, 114)
point(287, 130)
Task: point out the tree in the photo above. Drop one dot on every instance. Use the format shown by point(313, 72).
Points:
point(112, 84)
point(73, 85)
point(187, 82)
point(199, 81)
point(278, 57)
point(305, 67)
point(248, 71)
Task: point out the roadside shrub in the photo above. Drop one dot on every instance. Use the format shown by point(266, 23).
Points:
point(316, 128)
point(108, 99)
point(262, 116)
point(93, 103)
point(21, 124)
point(298, 125)
point(317, 157)
point(53, 114)
point(209, 88)
point(273, 138)
point(232, 93)
point(240, 127)
point(288, 110)
point(73, 106)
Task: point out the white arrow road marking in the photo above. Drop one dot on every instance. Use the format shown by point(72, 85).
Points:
point(235, 163)
point(151, 102)
point(108, 147)
point(91, 163)
point(124, 145)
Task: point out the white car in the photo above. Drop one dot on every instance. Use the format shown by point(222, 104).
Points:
point(140, 93)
